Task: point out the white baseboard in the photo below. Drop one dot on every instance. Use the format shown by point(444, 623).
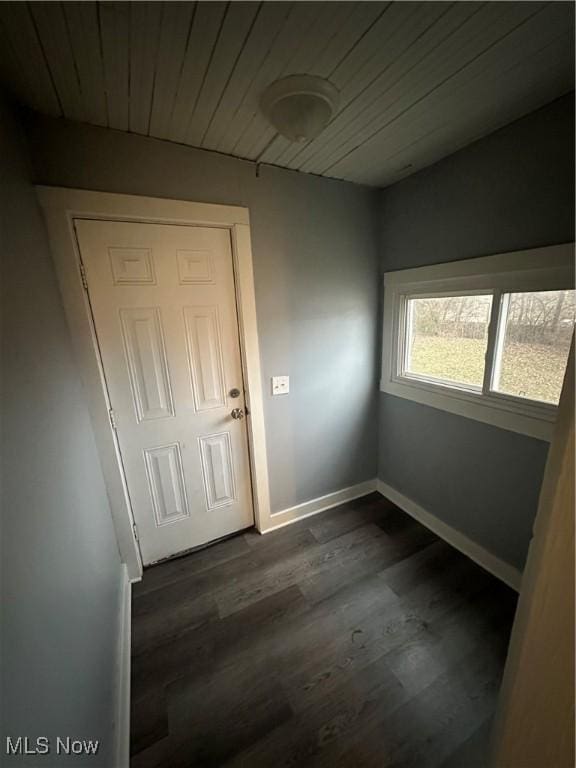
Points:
point(502, 570)
point(320, 504)
point(122, 746)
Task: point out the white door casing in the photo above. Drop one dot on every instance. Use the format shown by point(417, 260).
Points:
point(164, 307)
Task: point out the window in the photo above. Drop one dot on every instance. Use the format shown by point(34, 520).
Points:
point(486, 338)
point(533, 344)
point(446, 339)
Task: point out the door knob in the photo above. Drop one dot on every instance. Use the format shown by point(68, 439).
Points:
point(237, 413)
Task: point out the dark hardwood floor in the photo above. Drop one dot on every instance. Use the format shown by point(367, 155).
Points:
point(352, 638)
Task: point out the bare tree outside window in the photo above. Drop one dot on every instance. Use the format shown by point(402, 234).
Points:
point(534, 341)
point(448, 337)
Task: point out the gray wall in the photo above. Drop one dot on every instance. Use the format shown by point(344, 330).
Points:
point(509, 191)
point(60, 563)
point(315, 262)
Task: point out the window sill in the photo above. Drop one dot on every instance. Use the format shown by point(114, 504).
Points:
point(531, 419)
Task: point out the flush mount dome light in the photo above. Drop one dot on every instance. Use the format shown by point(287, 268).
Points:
point(300, 106)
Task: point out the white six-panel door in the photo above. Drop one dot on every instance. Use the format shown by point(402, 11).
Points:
point(164, 308)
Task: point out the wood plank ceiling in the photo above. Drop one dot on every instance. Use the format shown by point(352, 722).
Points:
point(417, 80)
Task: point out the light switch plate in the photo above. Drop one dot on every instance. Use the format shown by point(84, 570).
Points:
point(280, 385)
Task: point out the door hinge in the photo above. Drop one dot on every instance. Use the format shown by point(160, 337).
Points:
point(112, 418)
point(83, 276)
point(135, 529)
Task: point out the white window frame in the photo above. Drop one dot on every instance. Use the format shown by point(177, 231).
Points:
point(539, 269)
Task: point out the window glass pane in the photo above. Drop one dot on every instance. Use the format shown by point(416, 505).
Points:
point(534, 342)
point(447, 338)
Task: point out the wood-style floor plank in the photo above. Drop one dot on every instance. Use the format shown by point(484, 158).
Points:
point(183, 567)
point(353, 638)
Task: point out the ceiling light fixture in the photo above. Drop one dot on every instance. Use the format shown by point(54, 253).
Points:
point(300, 106)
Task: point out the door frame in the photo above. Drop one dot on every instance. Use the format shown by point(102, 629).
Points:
point(61, 206)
